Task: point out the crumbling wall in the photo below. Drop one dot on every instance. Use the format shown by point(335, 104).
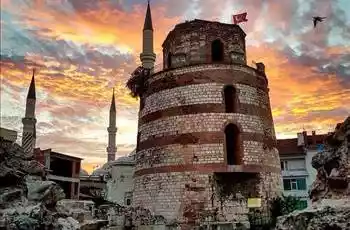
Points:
point(333, 166)
point(190, 43)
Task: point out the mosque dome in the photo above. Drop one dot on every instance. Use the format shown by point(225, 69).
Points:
point(100, 172)
point(124, 160)
point(83, 172)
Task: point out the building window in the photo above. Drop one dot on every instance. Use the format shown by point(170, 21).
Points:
point(217, 50)
point(284, 165)
point(230, 98)
point(293, 165)
point(169, 60)
point(232, 144)
point(128, 198)
point(294, 184)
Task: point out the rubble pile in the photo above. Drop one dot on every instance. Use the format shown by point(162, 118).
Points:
point(330, 191)
point(129, 216)
point(27, 200)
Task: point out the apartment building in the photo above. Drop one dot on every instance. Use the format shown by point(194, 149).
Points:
point(296, 156)
point(8, 135)
point(63, 169)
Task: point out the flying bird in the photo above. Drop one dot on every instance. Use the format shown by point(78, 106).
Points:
point(317, 19)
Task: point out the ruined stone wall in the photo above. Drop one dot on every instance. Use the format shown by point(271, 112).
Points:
point(181, 143)
point(190, 43)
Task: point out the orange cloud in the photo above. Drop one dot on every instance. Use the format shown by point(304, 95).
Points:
point(70, 83)
point(101, 26)
point(300, 96)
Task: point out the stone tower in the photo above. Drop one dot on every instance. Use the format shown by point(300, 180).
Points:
point(148, 57)
point(112, 130)
point(206, 139)
point(29, 121)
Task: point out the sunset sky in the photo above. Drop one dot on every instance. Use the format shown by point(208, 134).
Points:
point(81, 49)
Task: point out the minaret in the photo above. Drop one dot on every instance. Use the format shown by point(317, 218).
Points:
point(112, 130)
point(29, 121)
point(148, 57)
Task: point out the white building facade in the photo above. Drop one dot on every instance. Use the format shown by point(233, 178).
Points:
point(120, 184)
point(118, 175)
point(297, 172)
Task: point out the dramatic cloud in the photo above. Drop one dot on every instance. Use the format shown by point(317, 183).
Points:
point(83, 49)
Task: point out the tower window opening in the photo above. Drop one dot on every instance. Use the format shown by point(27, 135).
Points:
point(217, 50)
point(169, 60)
point(230, 99)
point(232, 138)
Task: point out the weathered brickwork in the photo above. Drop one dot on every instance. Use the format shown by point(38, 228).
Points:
point(183, 196)
point(186, 169)
point(175, 154)
point(205, 122)
point(251, 95)
point(205, 138)
point(247, 109)
point(185, 95)
point(191, 196)
point(190, 43)
point(269, 187)
point(203, 69)
point(180, 154)
point(209, 93)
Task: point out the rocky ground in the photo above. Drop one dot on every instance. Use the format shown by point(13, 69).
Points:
point(330, 192)
point(27, 200)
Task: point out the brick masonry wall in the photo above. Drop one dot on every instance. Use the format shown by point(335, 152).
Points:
point(203, 122)
point(190, 196)
point(173, 195)
point(181, 140)
point(176, 154)
point(208, 93)
point(191, 43)
point(237, 73)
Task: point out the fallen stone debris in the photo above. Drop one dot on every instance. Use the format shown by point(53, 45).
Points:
point(330, 192)
point(29, 202)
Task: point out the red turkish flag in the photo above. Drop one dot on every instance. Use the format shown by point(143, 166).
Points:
point(238, 18)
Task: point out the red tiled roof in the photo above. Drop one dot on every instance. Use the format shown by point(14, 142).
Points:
point(318, 139)
point(289, 147)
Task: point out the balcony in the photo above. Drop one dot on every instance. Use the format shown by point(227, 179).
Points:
point(294, 172)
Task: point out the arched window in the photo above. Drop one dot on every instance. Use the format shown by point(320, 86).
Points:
point(128, 201)
point(169, 60)
point(230, 99)
point(232, 139)
point(217, 50)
